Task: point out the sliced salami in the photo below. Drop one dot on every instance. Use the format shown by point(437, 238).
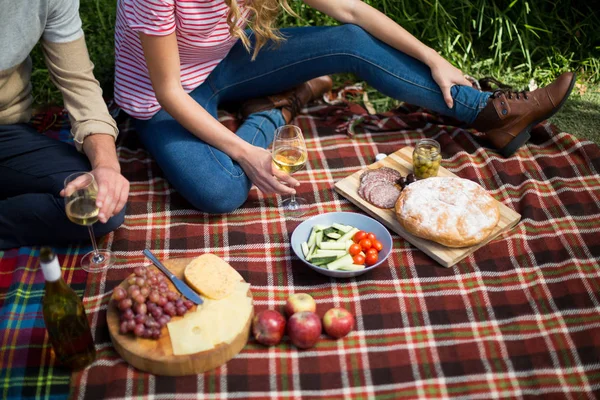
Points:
point(371, 179)
point(383, 173)
point(365, 174)
point(369, 189)
point(374, 176)
point(384, 196)
point(361, 190)
point(390, 175)
point(378, 187)
point(366, 185)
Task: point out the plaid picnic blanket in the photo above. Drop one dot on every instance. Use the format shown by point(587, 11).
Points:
point(520, 318)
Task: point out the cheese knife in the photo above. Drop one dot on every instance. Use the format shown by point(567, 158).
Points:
point(185, 290)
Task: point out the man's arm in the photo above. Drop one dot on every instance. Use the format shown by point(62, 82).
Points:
point(385, 29)
point(94, 130)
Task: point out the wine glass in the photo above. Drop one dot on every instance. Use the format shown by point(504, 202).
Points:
point(289, 155)
point(80, 204)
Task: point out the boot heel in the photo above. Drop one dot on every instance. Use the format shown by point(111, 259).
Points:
point(516, 143)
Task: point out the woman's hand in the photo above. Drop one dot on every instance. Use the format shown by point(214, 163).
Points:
point(258, 165)
point(447, 75)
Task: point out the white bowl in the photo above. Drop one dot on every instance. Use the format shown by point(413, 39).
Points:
point(360, 221)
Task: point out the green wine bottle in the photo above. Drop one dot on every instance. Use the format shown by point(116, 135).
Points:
point(65, 317)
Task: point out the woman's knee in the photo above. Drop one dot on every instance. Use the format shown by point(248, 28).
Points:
point(222, 198)
point(353, 36)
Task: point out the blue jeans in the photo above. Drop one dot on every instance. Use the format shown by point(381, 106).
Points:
point(209, 179)
point(33, 168)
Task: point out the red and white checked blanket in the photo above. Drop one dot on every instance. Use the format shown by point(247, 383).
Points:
point(519, 318)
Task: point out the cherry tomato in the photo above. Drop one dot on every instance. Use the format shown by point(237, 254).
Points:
point(377, 245)
point(358, 259)
point(372, 250)
point(365, 244)
point(371, 236)
point(371, 258)
point(354, 249)
point(358, 236)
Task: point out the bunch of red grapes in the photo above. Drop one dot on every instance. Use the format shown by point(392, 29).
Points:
point(148, 304)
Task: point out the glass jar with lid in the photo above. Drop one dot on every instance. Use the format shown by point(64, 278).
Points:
point(427, 158)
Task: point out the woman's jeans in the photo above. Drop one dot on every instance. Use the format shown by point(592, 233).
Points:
point(209, 179)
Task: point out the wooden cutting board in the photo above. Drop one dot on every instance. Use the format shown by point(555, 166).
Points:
point(156, 356)
point(401, 161)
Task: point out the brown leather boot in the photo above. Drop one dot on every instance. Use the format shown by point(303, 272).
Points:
point(292, 101)
point(509, 116)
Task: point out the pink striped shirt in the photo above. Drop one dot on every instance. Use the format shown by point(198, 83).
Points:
point(203, 40)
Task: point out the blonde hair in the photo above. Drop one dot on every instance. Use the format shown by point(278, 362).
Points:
point(263, 23)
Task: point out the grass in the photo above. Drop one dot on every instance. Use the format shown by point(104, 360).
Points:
point(581, 116)
point(512, 40)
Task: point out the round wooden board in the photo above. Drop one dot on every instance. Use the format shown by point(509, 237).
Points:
point(156, 356)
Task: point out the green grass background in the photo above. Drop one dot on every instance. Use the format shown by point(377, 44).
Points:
point(514, 41)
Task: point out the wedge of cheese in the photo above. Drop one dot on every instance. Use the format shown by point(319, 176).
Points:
point(188, 338)
point(213, 322)
point(211, 276)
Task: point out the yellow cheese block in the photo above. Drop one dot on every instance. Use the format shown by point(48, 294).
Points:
point(211, 276)
point(187, 339)
point(213, 322)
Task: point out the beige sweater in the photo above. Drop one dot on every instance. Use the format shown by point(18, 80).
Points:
point(69, 66)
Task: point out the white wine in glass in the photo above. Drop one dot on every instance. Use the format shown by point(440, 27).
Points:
point(81, 190)
point(289, 155)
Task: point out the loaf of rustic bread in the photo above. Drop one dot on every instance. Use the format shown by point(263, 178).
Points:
point(454, 212)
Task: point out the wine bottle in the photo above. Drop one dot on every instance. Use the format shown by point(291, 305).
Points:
point(65, 318)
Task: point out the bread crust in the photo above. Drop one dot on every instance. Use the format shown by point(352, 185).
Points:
point(454, 212)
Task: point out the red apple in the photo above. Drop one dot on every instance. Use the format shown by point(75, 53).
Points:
point(300, 302)
point(268, 327)
point(304, 329)
point(338, 322)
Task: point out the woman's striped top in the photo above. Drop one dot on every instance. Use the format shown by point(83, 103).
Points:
point(203, 40)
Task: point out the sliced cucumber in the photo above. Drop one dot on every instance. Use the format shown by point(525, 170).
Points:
point(322, 260)
point(319, 238)
point(326, 253)
point(312, 239)
point(333, 245)
point(341, 262)
point(348, 235)
point(342, 227)
point(311, 252)
point(328, 247)
point(305, 249)
point(353, 267)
